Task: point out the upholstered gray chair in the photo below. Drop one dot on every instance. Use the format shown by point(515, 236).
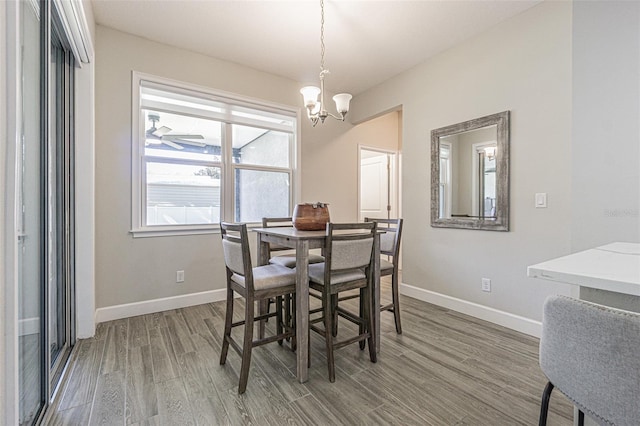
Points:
point(348, 265)
point(286, 259)
point(390, 246)
point(254, 285)
point(591, 353)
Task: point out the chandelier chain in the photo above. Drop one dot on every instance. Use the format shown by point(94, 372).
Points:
point(321, 35)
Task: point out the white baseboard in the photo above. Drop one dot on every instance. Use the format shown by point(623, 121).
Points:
point(28, 326)
point(505, 319)
point(158, 305)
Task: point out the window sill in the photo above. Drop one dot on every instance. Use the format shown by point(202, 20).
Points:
point(170, 231)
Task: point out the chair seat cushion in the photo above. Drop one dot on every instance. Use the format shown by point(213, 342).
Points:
point(289, 260)
point(316, 275)
point(386, 266)
point(269, 277)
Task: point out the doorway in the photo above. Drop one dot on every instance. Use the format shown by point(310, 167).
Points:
point(377, 183)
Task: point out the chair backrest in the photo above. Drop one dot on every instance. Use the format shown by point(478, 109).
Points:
point(591, 353)
point(390, 240)
point(273, 222)
point(237, 257)
point(349, 246)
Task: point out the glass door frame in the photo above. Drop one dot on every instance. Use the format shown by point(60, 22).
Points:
point(61, 164)
point(12, 87)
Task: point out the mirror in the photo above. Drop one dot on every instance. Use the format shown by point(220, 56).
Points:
point(470, 174)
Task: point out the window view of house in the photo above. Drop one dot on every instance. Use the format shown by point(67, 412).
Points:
point(196, 148)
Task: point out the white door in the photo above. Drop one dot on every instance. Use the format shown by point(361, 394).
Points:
point(377, 193)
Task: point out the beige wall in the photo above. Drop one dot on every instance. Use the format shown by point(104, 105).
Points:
point(522, 65)
point(134, 270)
point(331, 165)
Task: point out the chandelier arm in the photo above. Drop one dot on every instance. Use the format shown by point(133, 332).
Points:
point(341, 118)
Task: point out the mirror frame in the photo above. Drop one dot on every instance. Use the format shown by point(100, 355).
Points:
point(501, 222)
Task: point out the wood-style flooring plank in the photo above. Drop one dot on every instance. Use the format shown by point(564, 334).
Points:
point(81, 384)
point(142, 397)
point(312, 412)
point(108, 408)
point(115, 350)
point(164, 361)
point(173, 403)
point(179, 332)
point(138, 335)
point(206, 406)
point(71, 417)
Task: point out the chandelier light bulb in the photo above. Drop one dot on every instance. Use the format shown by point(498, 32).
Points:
point(310, 96)
point(342, 102)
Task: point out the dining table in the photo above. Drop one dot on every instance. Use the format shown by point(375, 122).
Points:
point(302, 242)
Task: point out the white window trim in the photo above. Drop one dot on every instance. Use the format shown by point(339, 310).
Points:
point(138, 226)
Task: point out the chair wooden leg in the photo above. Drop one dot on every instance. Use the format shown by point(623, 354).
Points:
point(269, 302)
point(287, 311)
point(368, 295)
point(396, 302)
point(293, 325)
point(362, 327)
point(247, 345)
point(227, 327)
point(544, 405)
point(279, 318)
point(263, 309)
point(328, 337)
point(334, 309)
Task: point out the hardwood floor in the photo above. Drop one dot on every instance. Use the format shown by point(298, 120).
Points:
point(445, 369)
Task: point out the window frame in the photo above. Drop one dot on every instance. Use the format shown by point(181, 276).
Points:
point(139, 227)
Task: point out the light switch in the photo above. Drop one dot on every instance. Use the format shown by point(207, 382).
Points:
point(541, 200)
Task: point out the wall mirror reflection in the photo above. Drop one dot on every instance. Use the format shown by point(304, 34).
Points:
point(470, 174)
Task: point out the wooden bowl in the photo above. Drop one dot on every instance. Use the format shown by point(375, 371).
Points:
point(310, 217)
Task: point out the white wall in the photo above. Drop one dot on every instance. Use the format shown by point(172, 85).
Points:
point(605, 189)
point(522, 65)
point(3, 157)
point(85, 188)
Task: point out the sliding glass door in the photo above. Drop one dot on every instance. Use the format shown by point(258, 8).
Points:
point(60, 203)
point(45, 221)
point(30, 217)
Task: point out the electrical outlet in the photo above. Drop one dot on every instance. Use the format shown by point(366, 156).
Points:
point(486, 284)
point(179, 276)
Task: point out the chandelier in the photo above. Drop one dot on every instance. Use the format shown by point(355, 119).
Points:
point(316, 107)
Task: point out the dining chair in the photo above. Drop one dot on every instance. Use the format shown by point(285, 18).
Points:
point(590, 353)
point(390, 246)
point(287, 259)
point(349, 259)
point(254, 285)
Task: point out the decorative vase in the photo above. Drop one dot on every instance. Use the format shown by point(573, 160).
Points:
point(310, 216)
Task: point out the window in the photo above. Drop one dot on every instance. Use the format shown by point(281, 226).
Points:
point(201, 156)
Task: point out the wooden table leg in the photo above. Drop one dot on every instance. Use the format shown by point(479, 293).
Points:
point(263, 259)
point(376, 290)
point(302, 309)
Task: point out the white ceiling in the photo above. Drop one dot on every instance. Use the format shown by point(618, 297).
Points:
point(366, 42)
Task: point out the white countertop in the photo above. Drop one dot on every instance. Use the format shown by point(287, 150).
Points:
point(612, 267)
